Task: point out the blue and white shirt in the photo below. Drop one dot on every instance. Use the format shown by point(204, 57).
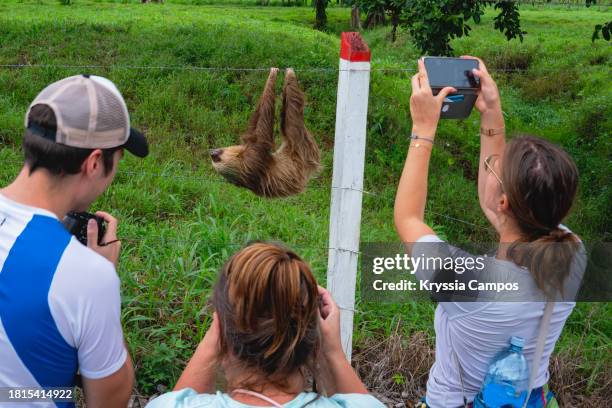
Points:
point(60, 308)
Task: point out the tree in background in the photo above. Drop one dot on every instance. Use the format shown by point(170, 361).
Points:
point(320, 15)
point(434, 23)
point(380, 12)
point(374, 11)
point(355, 16)
point(355, 13)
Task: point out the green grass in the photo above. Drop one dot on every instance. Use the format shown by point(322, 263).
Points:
point(180, 221)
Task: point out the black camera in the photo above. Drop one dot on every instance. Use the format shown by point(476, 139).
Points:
point(76, 224)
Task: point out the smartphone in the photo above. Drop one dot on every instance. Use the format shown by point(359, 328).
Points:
point(76, 224)
point(455, 72)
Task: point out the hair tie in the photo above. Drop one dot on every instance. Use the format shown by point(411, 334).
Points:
point(558, 234)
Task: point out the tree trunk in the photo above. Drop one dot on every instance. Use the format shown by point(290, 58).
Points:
point(394, 22)
point(355, 18)
point(320, 16)
point(375, 18)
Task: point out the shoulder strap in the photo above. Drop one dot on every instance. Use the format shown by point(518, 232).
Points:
point(465, 403)
point(542, 334)
point(537, 357)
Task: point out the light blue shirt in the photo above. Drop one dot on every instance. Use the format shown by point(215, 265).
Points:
point(188, 398)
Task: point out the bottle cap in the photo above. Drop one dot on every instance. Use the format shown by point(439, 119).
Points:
point(517, 341)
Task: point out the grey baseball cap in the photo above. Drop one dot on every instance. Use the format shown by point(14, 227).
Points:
point(90, 114)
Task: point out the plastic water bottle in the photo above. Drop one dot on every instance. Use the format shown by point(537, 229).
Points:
point(507, 379)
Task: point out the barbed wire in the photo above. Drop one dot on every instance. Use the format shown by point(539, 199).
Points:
point(409, 71)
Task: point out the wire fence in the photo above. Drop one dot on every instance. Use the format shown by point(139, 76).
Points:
point(409, 71)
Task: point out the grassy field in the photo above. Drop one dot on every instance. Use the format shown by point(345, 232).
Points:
point(180, 221)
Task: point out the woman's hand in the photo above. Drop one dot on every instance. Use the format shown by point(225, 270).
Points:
point(424, 106)
point(488, 99)
point(330, 324)
point(338, 375)
point(201, 369)
point(210, 342)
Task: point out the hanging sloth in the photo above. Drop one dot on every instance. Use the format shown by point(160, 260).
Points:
point(256, 164)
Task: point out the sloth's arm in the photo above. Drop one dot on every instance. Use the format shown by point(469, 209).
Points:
point(261, 124)
point(293, 130)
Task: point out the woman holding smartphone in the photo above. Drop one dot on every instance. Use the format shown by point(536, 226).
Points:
point(525, 189)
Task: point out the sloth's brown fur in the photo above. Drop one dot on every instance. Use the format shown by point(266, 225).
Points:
point(255, 164)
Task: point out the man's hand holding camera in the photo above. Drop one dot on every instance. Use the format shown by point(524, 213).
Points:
point(110, 246)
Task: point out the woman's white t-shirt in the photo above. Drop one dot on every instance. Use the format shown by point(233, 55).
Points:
point(477, 331)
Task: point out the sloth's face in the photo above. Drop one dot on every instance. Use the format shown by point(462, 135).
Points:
point(228, 161)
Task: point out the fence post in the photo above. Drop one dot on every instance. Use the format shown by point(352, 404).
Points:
point(347, 180)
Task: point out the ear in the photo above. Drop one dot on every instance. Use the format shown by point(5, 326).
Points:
point(503, 205)
point(93, 163)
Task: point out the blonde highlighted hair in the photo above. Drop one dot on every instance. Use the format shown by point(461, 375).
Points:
point(267, 302)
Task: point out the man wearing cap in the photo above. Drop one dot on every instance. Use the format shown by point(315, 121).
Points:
point(60, 310)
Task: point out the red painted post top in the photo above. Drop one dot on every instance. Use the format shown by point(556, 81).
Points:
point(353, 48)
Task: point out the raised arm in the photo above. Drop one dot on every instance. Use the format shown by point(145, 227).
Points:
point(411, 195)
point(261, 123)
point(493, 132)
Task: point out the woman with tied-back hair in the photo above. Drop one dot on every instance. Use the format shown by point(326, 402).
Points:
point(525, 188)
point(273, 327)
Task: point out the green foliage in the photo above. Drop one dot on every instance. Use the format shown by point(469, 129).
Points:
point(434, 23)
point(64, 2)
point(562, 84)
point(508, 20)
point(399, 379)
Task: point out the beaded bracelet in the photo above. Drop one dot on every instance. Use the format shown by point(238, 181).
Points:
point(414, 136)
